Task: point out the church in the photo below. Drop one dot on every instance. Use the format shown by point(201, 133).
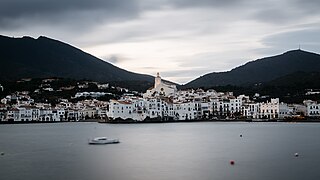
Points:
point(160, 89)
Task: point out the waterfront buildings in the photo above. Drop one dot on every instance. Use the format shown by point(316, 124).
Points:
point(162, 102)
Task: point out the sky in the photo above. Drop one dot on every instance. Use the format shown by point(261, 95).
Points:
point(181, 39)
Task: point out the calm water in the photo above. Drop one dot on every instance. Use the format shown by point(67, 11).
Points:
point(187, 151)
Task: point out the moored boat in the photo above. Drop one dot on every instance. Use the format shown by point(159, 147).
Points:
point(103, 140)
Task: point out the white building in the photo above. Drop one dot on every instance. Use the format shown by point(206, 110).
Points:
point(235, 106)
point(285, 111)
point(160, 89)
point(251, 110)
point(124, 110)
point(184, 111)
point(91, 94)
point(270, 110)
point(313, 108)
point(103, 86)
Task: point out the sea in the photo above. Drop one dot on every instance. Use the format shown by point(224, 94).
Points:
point(161, 151)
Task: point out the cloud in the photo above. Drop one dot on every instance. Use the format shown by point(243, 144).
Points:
point(149, 67)
point(15, 12)
point(115, 58)
point(182, 39)
point(309, 39)
point(204, 3)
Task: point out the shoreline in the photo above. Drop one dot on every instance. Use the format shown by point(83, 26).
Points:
point(160, 122)
point(219, 120)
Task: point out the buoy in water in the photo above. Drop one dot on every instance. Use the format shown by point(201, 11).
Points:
point(296, 154)
point(2, 153)
point(232, 162)
point(240, 135)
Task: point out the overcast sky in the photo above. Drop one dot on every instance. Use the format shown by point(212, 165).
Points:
point(181, 39)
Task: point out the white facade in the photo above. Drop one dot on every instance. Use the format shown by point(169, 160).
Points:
point(184, 111)
point(235, 106)
point(313, 109)
point(251, 110)
point(91, 94)
point(270, 110)
point(285, 111)
point(120, 109)
point(160, 89)
point(26, 114)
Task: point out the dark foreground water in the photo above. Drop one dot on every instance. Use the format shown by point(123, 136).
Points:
point(186, 151)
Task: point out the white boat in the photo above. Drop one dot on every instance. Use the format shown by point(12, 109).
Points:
point(103, 140)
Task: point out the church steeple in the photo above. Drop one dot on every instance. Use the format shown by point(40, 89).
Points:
point(157, 80)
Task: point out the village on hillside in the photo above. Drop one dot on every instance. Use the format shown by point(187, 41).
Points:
point(160, 103)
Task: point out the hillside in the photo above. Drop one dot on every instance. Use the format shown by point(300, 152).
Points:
point(44, 57)
point(261, 70)
point(298, 80)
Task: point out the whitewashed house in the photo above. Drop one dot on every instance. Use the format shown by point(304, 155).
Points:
point(251, 110)
point(120, 109)
point(285, 111)
point(270, 110)
point(184, 110)
point(313, 108)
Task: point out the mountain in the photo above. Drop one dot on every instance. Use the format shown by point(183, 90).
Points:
point(261, 70)
point(298, 80)
point(43, 57)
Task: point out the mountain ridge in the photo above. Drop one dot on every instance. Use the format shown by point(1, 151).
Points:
point(261, 70)
point(45, 57)
point(27, 57)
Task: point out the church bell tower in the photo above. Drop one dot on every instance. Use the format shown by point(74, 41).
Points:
point(157, 80)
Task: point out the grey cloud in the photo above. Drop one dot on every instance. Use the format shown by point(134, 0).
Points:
point(308, 39)
point(309, 6)
point(84, 13)
point(273, 15)
point(115, 58)
point(286, 11)
point(204, 3)
point(16, 8)
point(268, 11)
point(25, 12)
point(94, 22)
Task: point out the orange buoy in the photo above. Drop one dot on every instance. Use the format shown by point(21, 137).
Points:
point(232, 162)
